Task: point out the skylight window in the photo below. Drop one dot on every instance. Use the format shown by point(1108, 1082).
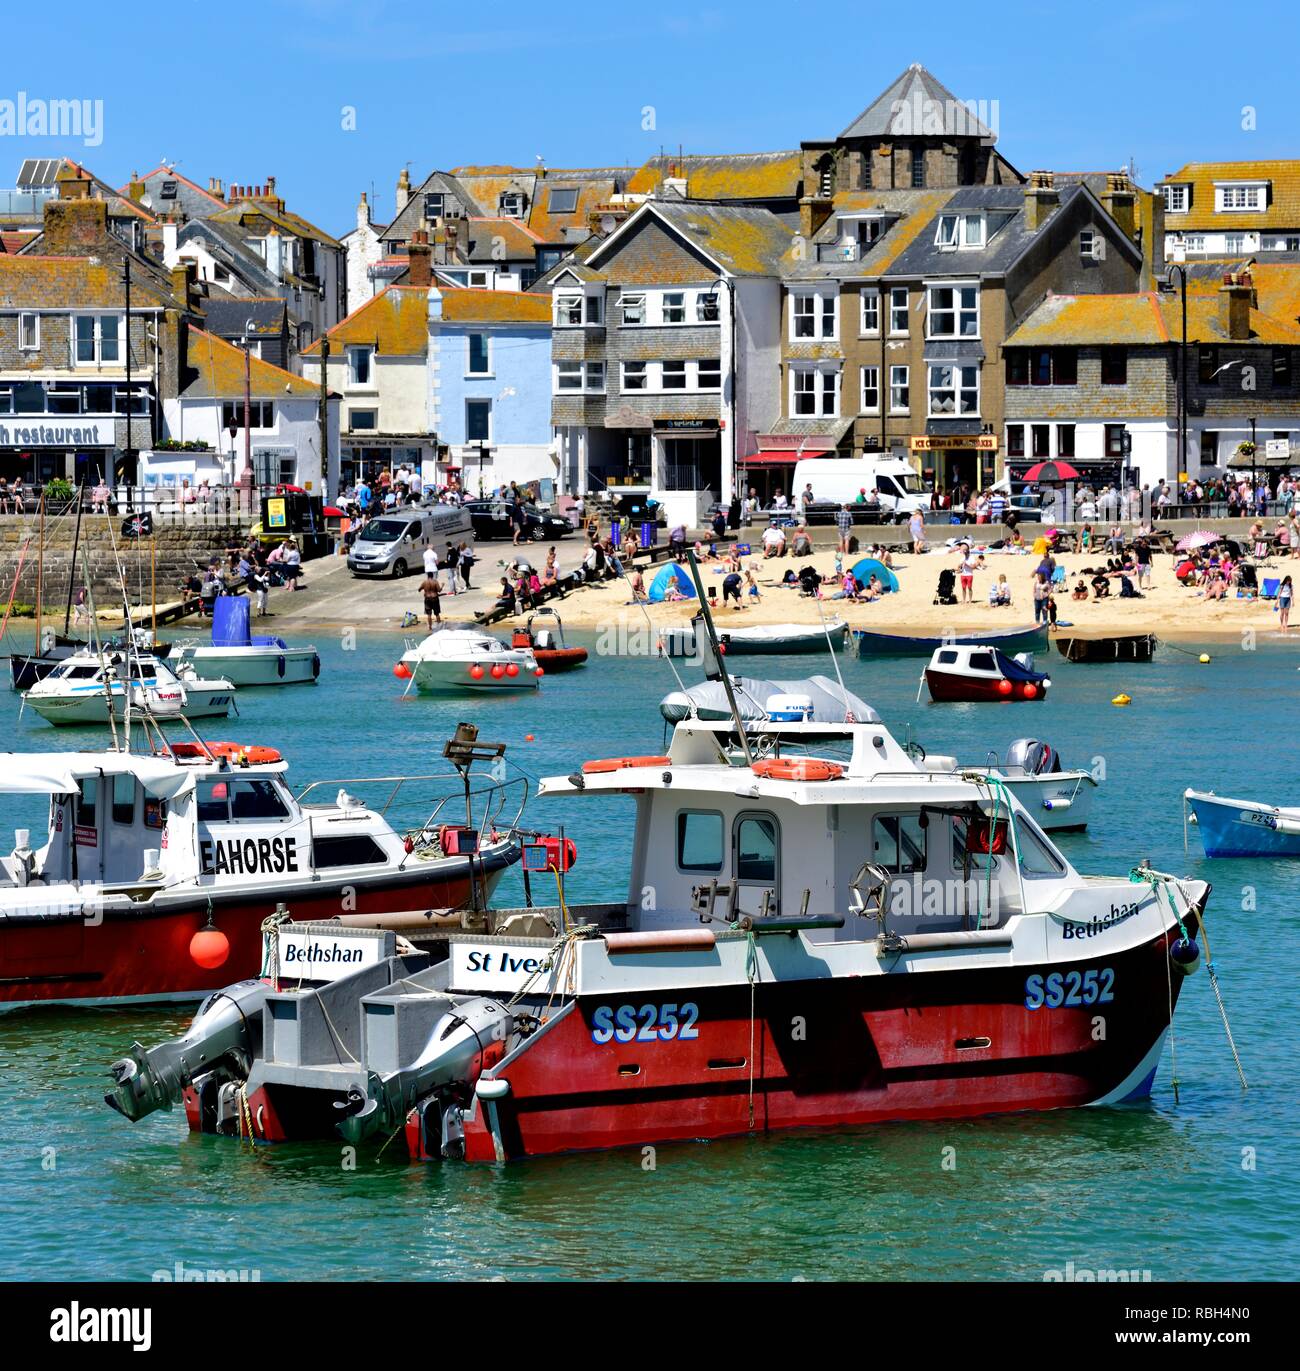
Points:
point(563, 200)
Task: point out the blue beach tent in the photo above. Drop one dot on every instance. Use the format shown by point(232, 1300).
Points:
point(868, 567)
point(674, 571)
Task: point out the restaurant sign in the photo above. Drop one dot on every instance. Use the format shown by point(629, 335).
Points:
point(85, 433)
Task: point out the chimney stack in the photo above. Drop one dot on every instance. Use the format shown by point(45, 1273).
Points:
point(74, 226)
point(1041, 198)
point(403, 190)
point(184, 275)
point(419, 256)
point(1236, 300)
point(813, 213)
point(1120, 201)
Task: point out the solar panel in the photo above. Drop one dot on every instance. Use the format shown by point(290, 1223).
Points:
point(37, 172)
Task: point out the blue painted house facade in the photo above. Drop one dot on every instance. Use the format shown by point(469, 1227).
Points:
point(490, 385)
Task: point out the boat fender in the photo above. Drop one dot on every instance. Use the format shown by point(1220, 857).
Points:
point(279, 667)
point(1060, 802)
point(491, 1089)
point(798, 769)
point(1185, 955)
point(1284, 823)
point(315, 666)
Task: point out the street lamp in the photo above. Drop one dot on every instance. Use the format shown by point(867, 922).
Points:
point(1254, 446)
point(1182, 366)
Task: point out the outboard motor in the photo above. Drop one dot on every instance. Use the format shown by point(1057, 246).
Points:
point(463, 1037)
point(228, 1024)
point(1033, 757)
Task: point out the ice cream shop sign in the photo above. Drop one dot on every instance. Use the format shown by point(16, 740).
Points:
point(87, 433)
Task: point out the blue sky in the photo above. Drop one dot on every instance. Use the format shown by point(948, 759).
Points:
point(244, 90)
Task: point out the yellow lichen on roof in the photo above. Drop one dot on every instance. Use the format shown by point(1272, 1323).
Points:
point(1282, 211)
point(1144, 319)
point(742, 176)
point(220, 367)
point(396, 321)
point(36, 282)
point(470, 306)
point(903, 234)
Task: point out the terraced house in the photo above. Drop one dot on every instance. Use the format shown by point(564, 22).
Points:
point(665, 352)
point(1096, 379)
point(1232, 209)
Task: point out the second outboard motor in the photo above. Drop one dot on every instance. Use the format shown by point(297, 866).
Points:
point(228, 1024)
point(1033, 757)
point(458, 1038)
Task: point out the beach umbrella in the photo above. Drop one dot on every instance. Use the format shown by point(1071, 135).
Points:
point(1192, 541)
point(1051, 471)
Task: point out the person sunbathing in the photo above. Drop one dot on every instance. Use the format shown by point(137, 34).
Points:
point(1080, 591)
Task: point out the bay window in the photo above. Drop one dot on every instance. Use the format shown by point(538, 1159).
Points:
point(954, 389)
point(813, 316)
point(568, 311)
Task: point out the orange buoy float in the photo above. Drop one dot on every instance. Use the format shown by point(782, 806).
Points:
point(621, 763)
point(539, 672)
point(209, 948)
point(528, 738)
point(1004, 687)
point(476, 672)
point(512, 669)
point(498, 671)
point(798, 769)
point(1030, 690)
point(402, 671)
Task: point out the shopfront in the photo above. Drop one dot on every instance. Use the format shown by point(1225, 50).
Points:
point(950, 461)
point(41, 448)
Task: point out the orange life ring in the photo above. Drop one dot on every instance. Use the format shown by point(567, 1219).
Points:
point(798, 769)
point(619, 763)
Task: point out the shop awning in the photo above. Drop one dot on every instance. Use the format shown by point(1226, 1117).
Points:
point(766, 457)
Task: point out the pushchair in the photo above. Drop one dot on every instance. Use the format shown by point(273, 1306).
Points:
point(943, 592)
point(809, 580)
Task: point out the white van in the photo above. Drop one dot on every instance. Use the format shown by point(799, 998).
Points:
point(393, 544)
point(837, 481)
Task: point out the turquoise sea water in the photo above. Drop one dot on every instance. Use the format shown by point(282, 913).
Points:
point(1196, 1189)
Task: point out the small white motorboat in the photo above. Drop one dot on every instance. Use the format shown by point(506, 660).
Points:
point(815, 700)
point(761, 640)
point(454, 660)
point(79, 690)
point(235, 655)
point(1059, 799)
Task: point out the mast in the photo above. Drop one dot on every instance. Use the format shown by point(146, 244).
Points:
point(72, 565)
point(40, 574)
point(716, 652)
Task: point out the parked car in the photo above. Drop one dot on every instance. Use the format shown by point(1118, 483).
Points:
point(491, 519)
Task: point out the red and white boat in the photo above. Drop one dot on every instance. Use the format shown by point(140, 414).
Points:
point(760, 975)
point(545, 641)
point(159, 868)
point(977, 672)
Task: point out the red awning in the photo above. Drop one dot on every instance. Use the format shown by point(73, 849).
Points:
point(782, 457)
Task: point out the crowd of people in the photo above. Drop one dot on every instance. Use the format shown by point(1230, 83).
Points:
point(249, 566)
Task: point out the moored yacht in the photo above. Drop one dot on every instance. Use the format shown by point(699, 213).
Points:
point(84, 687)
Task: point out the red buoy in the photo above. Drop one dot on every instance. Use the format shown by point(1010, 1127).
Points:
point(209, 948)
point(1031, 690)
point(1004, 687)
point(528, 737)
point(512, 669)
point(498, 671)
point(476, 671)
point(402, 671)
point(539, 672)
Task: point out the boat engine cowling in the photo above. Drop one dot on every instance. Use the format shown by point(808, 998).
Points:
point(1035, 758)
point(228, 1024)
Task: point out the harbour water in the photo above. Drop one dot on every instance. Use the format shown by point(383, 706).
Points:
point(1199, 1188)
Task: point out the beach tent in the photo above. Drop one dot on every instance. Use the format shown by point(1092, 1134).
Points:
point(868, 567)
point(674, 571)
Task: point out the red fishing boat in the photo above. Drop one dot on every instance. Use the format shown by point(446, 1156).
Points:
point(547, 643)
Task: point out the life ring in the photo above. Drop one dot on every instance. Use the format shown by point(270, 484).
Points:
point(619, 763)
point(798, 769)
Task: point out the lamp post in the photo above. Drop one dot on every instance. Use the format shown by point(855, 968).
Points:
point(1182, 367)
point(1254, 447)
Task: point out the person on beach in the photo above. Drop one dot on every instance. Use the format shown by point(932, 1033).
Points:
point(731, 590)
point(844, 523)
point(638, 586)
point(916, 530)
point(1284, 594)
point(431, 589)
point(966, 574)
point(751, 584)
point(774, 541)
point(1042, 590)
point(259, 582)
point(1000, 591)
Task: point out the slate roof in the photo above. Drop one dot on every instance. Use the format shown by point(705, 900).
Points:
point(744, 240)
point(916, 88)
point(30, 281)
point(226, 243)
point(219, 368)
point(397, 320)
point(746, 176)
point(228, 316)
point(191, 199)
point(917, 208)
point(288, 223)
point(1282, 212)
point(1148, 318)
point(470, 306)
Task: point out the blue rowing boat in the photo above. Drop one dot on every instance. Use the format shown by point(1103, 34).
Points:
point(1243, 828)
point(1008, 640)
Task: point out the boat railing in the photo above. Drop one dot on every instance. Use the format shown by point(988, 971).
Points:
point(495, 795)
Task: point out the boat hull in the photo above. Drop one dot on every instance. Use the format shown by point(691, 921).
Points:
point(945, 687)
point(1136, 647)
point(560, 658)
point(1059, 803)
point(1010, 641)
point(453, 678)
point(91, 708)
point(144, 955)
point(252, 666)
point(902, 1048)
point(1244, 828)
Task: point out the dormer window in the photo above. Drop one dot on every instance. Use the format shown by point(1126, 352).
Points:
point(1178, 199)
point(511, 205)
point(433, 206)
point(960, 231)
point(1244, 196)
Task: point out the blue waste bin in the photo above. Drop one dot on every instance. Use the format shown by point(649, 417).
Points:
point(616, 531)
point(649, 534)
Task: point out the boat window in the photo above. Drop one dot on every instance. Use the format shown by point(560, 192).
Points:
point(123, 799)
point(155, 812)
point(356, 849)
point(982, 661)
point(86, 802)
point(948, 656)
point(899, 842)
point(79, 673)
point(214, 802)
point(756, 840)
point(256, 800)
point(1036, 857)
point(699, 840)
